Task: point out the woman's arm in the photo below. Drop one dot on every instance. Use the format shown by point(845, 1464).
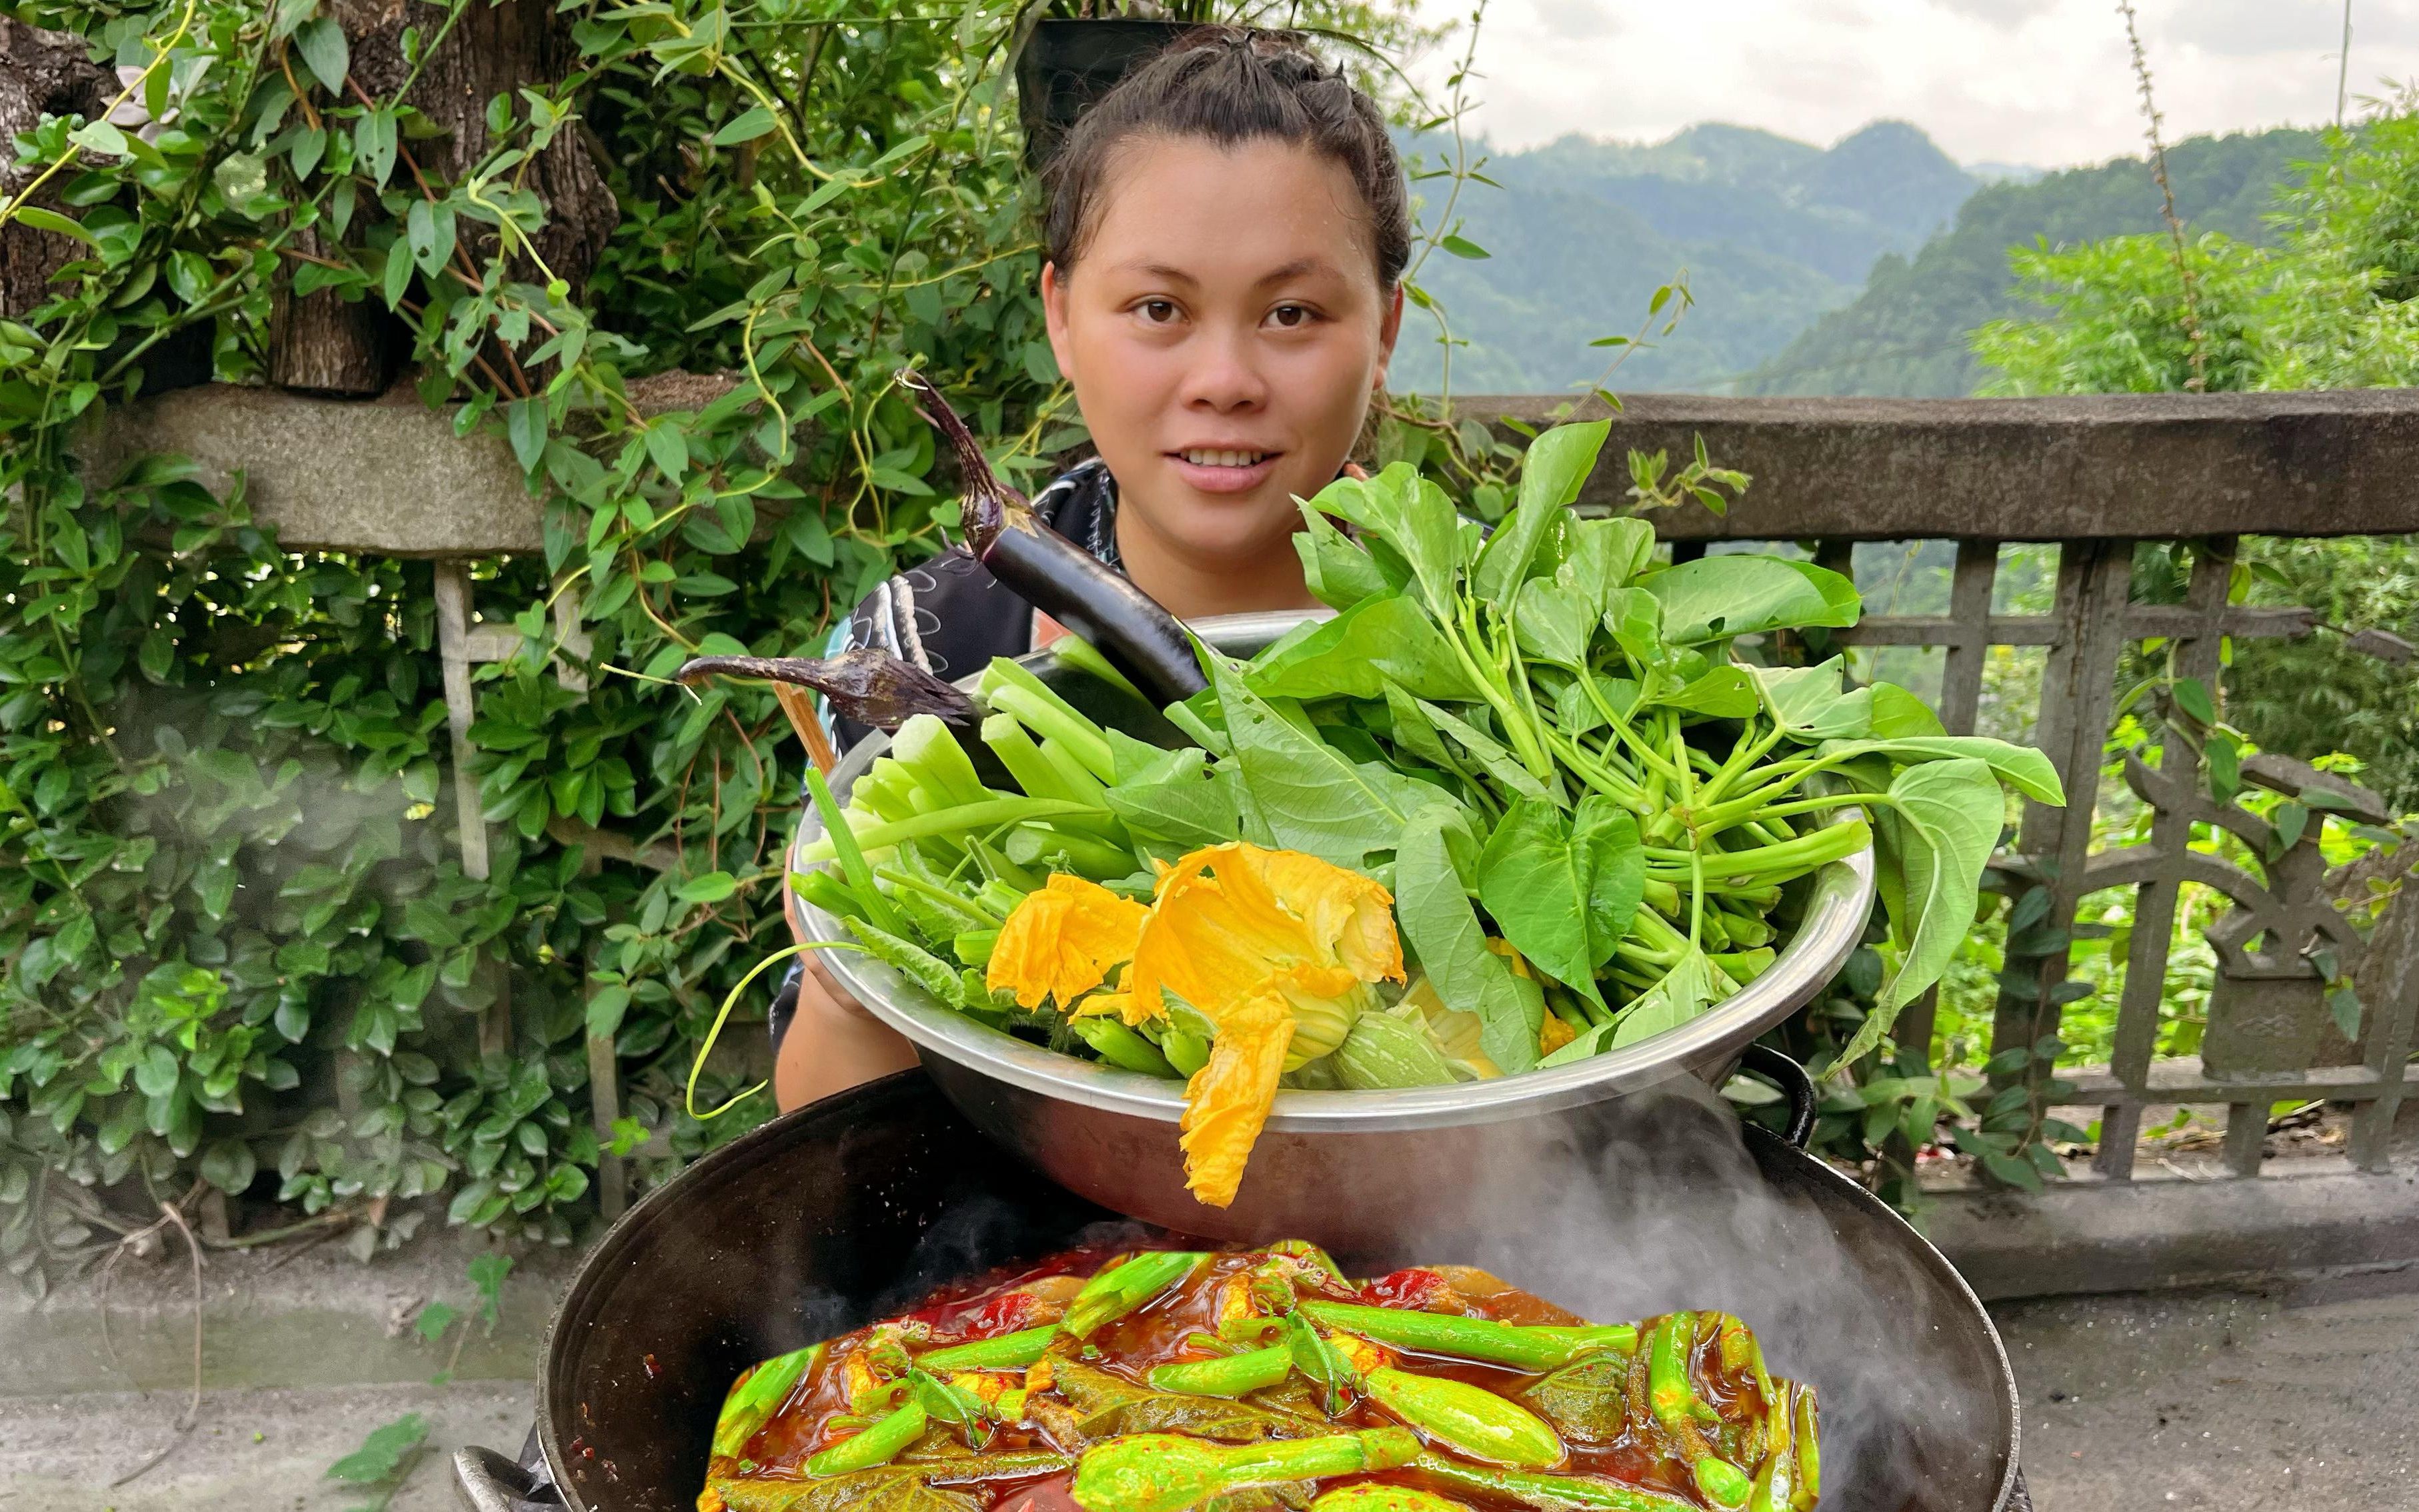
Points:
point(833, 1043)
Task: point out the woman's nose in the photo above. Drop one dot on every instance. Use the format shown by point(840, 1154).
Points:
point(1223, 376)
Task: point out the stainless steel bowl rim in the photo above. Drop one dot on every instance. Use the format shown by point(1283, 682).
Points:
point(1833, 924)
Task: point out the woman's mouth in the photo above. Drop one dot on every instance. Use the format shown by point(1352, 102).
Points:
point(1222, 469)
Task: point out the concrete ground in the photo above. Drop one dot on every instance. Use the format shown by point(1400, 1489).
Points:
point(250, 1451)
point(2219, 1400)
point(2224, 1401)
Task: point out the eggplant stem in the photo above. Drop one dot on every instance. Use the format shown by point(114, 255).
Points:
point(987, 503)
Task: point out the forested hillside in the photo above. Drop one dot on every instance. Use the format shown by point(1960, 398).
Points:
point(1907, 332)
point(1771, 232)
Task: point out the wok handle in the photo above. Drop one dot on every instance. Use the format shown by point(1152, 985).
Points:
point(486, 1481)
point(1791, 1078)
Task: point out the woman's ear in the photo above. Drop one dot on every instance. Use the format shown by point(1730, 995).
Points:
point(1054, 315)
point(1389, 331)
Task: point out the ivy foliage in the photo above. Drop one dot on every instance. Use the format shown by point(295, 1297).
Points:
point(238, 943)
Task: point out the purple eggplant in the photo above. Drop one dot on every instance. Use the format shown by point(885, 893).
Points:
point(1057, 577)
point(872, 687)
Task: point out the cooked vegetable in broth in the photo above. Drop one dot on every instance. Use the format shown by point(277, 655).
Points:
point(1164, 1380)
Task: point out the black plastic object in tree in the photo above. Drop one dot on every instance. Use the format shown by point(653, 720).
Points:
point(1066, 65)
point(856, 1207)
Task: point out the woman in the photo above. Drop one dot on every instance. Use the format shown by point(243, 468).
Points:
point(1226, 232)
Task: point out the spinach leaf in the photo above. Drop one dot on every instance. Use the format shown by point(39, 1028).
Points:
point(1634, 617)
point(1950, 813)
point(2022, 768)
point(1554, 622)
point(1604, 555)
point(1177, 801)
point(1590, 1042)
point(1813, 703)
point(1725, 692)
point(1384, 638)
point(1537, 886)
point(1609, 833)
point(1681, 994)
point(1412, 514)
point(1137, 761)
point(1305, 795)
point(1576, 712)
point(1588, 1399)
point(1557, 463)
point(1714, 598)
point(1442, 931)
point(1491, 755)
point(1414, 733)
point(1338, 573)
point(1898, 715)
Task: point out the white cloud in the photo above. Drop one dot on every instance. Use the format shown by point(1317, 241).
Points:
point(1999, 12)
point(2044, 82)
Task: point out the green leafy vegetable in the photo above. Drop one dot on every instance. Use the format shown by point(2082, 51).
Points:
point(1443, 930)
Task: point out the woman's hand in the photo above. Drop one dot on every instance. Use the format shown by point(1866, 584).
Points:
point(833, 1043)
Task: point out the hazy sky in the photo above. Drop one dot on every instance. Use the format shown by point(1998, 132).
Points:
point(2039, 82)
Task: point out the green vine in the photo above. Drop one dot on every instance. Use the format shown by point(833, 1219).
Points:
point(241, 948)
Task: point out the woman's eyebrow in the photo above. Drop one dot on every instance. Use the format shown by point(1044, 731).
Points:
point(1159, 270)
point(1295, 269)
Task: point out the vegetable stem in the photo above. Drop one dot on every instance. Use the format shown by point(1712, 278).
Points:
point(982, 816)
point(1535, 1349)
point(842, 842)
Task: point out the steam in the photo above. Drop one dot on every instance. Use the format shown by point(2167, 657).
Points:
point(1653, 1203)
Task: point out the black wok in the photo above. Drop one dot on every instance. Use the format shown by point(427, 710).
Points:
point(857, 1206)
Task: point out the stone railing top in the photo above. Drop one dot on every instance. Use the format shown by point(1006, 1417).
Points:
point(390, 476)
point(2103, 467)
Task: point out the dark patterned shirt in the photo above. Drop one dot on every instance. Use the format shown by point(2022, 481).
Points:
point(951, 617)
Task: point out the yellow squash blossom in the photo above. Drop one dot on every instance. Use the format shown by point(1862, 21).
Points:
point(1277, 949)
point(1063, 940)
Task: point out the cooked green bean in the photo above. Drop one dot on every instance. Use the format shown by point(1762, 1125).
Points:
point(1122, 1288)
point(875, 1446)
point(757, 1396)
point(1471, 1338)
point(1666, 1370)
point(1553, 1493)
point(1009, 1352)
point(1171, 1473)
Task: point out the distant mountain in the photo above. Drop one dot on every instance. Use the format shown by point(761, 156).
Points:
point(2003, 173)
point(1907, 333)
point(1772, 232)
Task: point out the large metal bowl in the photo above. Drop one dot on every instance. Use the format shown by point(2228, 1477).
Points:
point(1349, 1169)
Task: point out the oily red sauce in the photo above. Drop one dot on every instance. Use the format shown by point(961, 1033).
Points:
point(817, 1413)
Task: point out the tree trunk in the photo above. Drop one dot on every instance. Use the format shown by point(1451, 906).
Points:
point(321, 343)
point(41, 73)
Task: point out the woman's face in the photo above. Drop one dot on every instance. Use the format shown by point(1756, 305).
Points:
point(1223, 331)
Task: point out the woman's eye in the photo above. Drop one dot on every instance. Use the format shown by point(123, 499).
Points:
point(1290, 316)
point(1158, 312)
